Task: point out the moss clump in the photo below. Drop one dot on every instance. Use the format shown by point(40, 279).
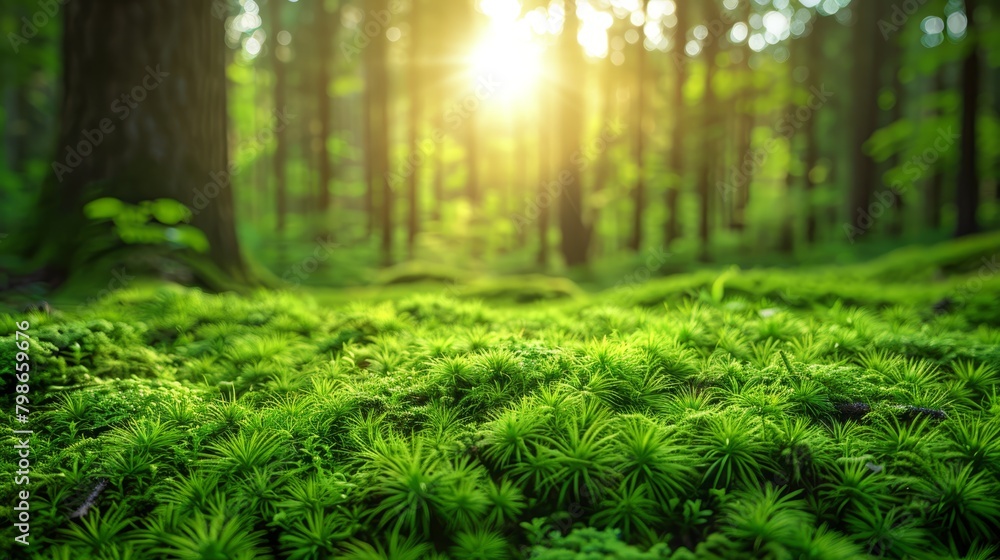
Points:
point(756, 417)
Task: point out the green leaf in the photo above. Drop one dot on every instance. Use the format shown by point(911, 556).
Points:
point(103, 208)
point(719, 286)
point(189, 236)
point(169, 211)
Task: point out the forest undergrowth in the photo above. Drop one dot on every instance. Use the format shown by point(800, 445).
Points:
point(728, 418)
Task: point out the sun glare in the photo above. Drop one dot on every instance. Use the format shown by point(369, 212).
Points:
point(509, 59)
point(509, 53)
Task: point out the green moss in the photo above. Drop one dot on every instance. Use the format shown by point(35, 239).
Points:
point(654, 421)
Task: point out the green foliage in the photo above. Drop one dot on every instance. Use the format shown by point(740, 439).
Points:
point(149, 222)
point(228, 427)
point(591, 544)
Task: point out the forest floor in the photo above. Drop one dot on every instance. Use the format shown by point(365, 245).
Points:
point(821, 413)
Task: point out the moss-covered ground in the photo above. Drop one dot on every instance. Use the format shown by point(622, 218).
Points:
point(816, 413)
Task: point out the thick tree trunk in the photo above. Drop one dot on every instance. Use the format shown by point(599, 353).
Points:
point(967, 189)
point(139, 123)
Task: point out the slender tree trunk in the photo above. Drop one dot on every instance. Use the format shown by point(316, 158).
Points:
point(416, 70)
point(865, 89)
point(280, 134)
point(604, 163)
point(639, 193)
point(575, 237)
point(439, 173)
point(815, 57)
point(521, 155)
point(893, 62)
point(370, 132)
point(742, 175)
point(386, 220)
point(548, 122)
point(472, 165)
point(708, 136)
point(934, 186)
point(672, 226)
point(326, 39)
point(967, 189)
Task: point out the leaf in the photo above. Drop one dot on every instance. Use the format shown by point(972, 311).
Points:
point(103, 208)
point(168, 211)
point(719, 286)
point(189, 236)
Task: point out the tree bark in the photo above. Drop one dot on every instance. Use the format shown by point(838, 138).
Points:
point(707, 130)
point(154, 125)
point(672, 199)
point(280, 134)
point(574, 241)
point(326, 37)
point(639, 192)
point(967, 188)
point(865, 88)
point(416, 70)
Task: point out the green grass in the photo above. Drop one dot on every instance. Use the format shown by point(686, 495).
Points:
point(758, 414)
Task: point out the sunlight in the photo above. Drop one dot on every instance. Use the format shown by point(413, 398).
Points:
point(508, 53)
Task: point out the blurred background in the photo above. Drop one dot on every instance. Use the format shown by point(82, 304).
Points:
point(577, 138)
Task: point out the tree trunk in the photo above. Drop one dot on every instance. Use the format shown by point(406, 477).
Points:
point(967, 189)
point(416, 70)
point(865, 89)
point(155, 122)
point(548, 121)
point(380, 48)
point(934, 186)
point(815, 58)
point(708, 122)
point(325, 35)
point(370, 131)
point(895, 62)
point(671, 229)
point(280, 134)
point(574, 239)
point(639, 193)
point(603, 166)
